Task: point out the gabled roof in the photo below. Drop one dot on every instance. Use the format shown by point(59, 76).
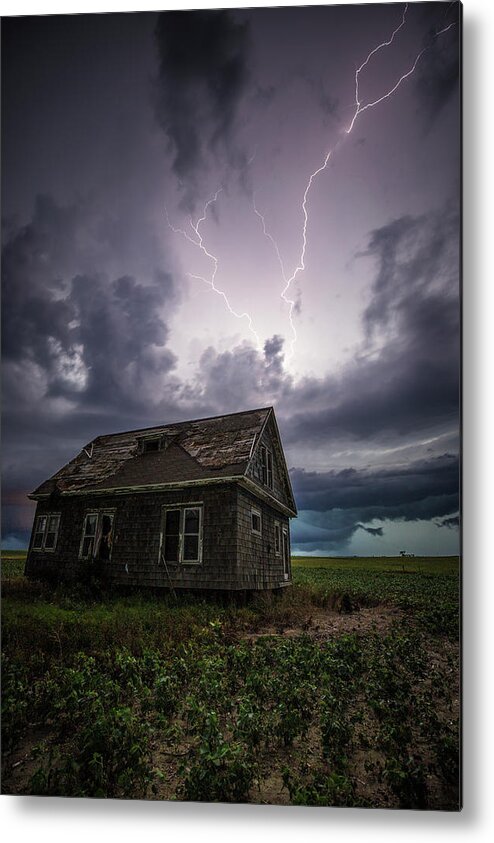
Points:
point(198, 450)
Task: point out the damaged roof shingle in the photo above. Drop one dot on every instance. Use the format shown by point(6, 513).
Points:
point(202, 449)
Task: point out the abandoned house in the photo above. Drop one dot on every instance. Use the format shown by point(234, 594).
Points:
point(202, 504)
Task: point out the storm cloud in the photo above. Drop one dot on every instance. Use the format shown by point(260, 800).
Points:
point(397, 490)
point(82, 333)
point(438, 76)
point(405, 376)
point(203, 73)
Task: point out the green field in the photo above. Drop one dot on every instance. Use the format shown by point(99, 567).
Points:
point(343, 691)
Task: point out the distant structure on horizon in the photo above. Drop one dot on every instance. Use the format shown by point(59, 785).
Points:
point(203, 504)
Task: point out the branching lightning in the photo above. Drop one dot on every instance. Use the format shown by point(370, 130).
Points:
point(198, 240)
point(359, 109)
point(211, 281)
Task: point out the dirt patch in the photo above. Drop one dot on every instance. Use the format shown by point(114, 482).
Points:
point(323, 624)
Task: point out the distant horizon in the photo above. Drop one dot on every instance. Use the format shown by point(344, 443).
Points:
point(317, 556)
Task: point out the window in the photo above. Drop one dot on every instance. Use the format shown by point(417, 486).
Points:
point(286, 553)
point(255, 521)
point(267, 466)
point(46, 532)
point(150, 445)
point(97, 535)
point(52, 532)
point(181, 540)
point(277, 538)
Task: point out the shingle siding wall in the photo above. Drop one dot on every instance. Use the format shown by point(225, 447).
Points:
point(233, 558)
point(259, 567)
point(136, 527)
point(278, 490)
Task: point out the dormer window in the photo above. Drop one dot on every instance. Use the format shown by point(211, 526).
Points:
point(267, 466)
point(153, 443)
point(150, 445)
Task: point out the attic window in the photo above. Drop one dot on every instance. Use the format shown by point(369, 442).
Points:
point(150, 445)
point(267, 466)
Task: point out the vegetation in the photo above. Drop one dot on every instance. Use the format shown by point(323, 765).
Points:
point(342, 691)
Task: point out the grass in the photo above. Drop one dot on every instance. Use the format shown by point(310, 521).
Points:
point(398, 564)
point(344, 691)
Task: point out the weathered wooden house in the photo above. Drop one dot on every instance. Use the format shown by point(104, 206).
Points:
point(202, 504)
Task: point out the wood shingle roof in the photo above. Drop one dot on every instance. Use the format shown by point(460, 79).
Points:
point(198, 450)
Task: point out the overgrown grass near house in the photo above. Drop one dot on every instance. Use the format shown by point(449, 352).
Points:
point(343, 691)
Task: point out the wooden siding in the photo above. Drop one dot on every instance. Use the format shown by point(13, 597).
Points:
point(280, 489)
point(259, 567)
point(137, 527)
point(233, 557)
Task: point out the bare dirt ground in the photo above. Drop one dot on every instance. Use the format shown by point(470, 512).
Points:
point(323, 624)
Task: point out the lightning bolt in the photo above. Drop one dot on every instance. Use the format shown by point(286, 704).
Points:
point(198, 240)
point(290, 302)
point(359, 109)
point(199, 243)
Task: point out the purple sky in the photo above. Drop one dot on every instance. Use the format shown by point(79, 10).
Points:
point(118, 129)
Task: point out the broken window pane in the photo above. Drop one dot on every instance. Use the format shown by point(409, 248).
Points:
point(105, 542)
point(89, 533)
point(90, 527)
point(173, 522)
point(87, 547)
point(191, 548)
point(172, 535)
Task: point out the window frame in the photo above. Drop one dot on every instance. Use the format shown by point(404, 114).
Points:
point(148, 446)
point(254, 511)
point(182, 508)
point(277, 538)
point(267, 466)
point(145, 441)
point(44, 533)
point(285, 533)
point(99, 513)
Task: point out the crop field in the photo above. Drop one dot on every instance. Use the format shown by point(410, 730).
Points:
point(343, 691)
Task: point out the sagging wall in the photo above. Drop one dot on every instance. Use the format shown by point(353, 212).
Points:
point(136, 540)
point(259, 566)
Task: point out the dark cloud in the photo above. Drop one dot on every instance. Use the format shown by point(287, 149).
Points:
point(373, 531)
point(338, 503)
point(437, 78)
point(82, 352)
point(202, 77)
point(405, 376)
point(397, 490)
point(452, 522)
point(84, 336)
point(243, 377)
point(328, 104)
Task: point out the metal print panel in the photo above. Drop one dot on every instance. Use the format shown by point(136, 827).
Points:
point(231, 367)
